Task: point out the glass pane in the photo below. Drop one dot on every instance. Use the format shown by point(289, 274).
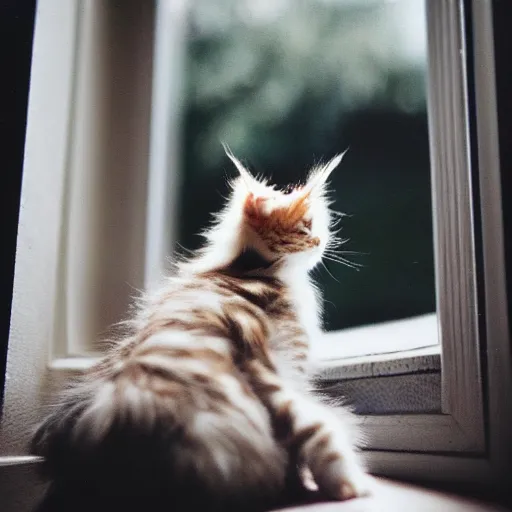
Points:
point(286, 83)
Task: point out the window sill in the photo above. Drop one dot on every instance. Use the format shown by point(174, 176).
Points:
point(392, 337)
point(389, 348)
point(421, 360)
point(397, 383)
point(424, 360)
point(397, 397)
point(402, 383)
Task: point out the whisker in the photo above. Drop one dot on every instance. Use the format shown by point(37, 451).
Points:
point(328, 271)
point(337, 242)
point(343, 261)
point(338, 254)
point(183, 248)
point(347, 252)
point(339, 214)
point(336, 239)
point(335, 223)
point(328, 258)
point(332, 303)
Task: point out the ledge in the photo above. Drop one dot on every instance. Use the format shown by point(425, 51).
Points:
point(423, 360)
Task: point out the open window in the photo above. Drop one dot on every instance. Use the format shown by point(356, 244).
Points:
point(125, 120)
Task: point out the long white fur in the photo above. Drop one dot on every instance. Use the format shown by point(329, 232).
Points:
point(224, 241)
point(226, 238)
point(343, 477)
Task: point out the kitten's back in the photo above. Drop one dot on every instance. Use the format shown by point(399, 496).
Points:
point(169, 413)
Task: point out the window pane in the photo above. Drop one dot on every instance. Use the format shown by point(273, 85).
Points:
point(286, 83)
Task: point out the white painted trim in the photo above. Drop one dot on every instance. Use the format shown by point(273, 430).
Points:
point(76, 365)
point(20, 460)
point(103, 216)
point(81, 156)
point(42, 198)
point(495, 463)
point(164, 165)
point(461, 428)
point(453, 218)
point(499, 355)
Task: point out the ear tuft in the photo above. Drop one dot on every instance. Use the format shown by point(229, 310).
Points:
point(320, 175)
point(332, 164)
point(244, 173)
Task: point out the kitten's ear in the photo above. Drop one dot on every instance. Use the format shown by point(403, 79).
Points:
point(321, 174)
point(244, 173)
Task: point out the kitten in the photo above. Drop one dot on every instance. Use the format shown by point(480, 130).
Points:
point(206, 401)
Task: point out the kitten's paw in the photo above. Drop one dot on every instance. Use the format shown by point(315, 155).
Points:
point(308, 480)
point(343, 482)
point(355, 485)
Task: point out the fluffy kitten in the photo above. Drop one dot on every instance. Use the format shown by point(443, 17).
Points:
point(205, 402)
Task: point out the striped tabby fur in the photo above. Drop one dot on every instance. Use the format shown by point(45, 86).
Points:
point(205, 402)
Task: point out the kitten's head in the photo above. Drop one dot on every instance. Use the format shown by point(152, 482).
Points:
point(293, 223)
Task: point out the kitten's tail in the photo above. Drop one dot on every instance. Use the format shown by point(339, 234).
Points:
point(162, 426)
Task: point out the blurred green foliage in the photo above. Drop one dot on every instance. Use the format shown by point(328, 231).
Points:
point(289, 82)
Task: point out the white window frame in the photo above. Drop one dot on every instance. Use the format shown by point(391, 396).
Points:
point(69, 81)
point(452, 445)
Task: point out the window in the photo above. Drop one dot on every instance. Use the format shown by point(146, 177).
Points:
point(279, 98)
point(285, 83)
point(99, 126)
